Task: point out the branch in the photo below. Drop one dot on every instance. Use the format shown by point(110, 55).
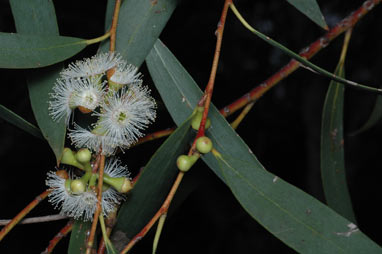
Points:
point(39, 219)
point(307, 53)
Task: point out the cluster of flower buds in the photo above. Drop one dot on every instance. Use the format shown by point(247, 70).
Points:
point(122, 106)
point(76, 196)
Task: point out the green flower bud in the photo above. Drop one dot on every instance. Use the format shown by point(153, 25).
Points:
point(184, 163)
point(204, 144)
point(121, 184)
point(77, 186)
point(195, 122)
point(68, 157)
point(83, 155)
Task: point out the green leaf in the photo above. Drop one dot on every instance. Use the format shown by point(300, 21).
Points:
point(374, 118)
point(20, 122)
point(154, 183)
point(333, 172)
point(139, 25)
point(299, 220)
point(311, 9)
point(40, 83)
point(19, 51)
point(38, 17)
point(293, 216)
point(31, 17)
point(78, 237)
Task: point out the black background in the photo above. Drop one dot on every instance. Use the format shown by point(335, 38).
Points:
point(283, 129)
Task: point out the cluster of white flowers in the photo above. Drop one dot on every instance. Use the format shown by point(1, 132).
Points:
point(123, 105)
point(111, 90)
point(82, 204)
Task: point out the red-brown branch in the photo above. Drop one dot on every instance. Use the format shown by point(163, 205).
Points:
point(4, 231)
point(308, 52)
point(63, 232)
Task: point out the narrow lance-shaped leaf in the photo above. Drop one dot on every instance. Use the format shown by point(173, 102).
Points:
point(18, 51)
point(311, 9)
point(296, 218)
point(332, 150)
point(20, 122)
point(39, 17)
point(154, 184)
point(139, 25)
point(78, 237)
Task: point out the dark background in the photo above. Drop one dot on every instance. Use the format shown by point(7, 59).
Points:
point(283, 129)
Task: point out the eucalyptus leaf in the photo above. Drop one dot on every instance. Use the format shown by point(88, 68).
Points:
point(310, 9)
point(296, 218)
point(333, 172)
point(19, 122)
point(19, 51)
point(39, 17)
point(154, 183)
point(78, 237)
point(139, 25)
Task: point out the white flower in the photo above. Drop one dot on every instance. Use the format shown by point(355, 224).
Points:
point(92, 140)
point(71, 205)
point(60, 104)
point(81, 205)
point(69, 94)
point(125, 114)
point(88, 93)
point(59, 192)
point(94, 66)
point(126, 74)
point(84, 204)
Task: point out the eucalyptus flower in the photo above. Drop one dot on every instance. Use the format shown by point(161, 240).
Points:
point(126, 74)
point(126, 114)
point(94, 66)
point(69, 94)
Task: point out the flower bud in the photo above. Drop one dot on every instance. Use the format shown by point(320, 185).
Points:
point(121, 184)
point(184, 163)
point(83, 155)
point(204, 144)
point(77, 186)
point(68, 157)
point(195, 122)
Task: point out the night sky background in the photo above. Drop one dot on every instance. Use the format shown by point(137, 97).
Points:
point(283, 128)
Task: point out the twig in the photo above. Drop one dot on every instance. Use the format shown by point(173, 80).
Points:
point(306, 53)
point(114, 23)
point(99, 208)
point(63, 232)
point(243, 113)
point(98, 39)
point(161, 211)
point(4, 231)
point(302, 60)
point(155, 135)
point(205, 101)
point(39, 219)
point(110, 222)
point(113, 33)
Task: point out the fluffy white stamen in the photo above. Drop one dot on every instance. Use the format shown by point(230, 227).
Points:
point(97, 65)
point(127, 113)
point(126, 74)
